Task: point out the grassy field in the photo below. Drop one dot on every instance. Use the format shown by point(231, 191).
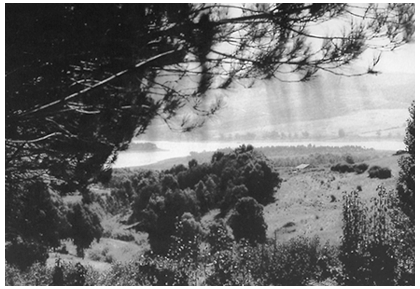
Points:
point(309, 202)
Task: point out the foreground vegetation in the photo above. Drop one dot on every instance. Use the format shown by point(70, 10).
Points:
point(371, 253)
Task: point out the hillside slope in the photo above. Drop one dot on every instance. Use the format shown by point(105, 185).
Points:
point(304, 203)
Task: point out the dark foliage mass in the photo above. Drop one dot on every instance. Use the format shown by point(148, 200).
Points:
point(247, 221)
point(160, 201)
point(377, 247)
point(406, 180)
point(350, 168)
point(342, 168)
point(24, 254)
point(360, 168)
point(85, 227)
point(295, 262)
point(379, 172)
point(35, 221)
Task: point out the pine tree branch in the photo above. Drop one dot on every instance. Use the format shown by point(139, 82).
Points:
point(99, 84)
point(34, 140)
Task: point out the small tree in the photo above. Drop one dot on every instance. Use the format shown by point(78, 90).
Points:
point(247, 221)
point(377, 247)
point(406, 181)
point(85, 227)
point(204, 197)
point(35, 221)
point(379, 172)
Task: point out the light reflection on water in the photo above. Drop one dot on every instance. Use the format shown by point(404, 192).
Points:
point(181, 149)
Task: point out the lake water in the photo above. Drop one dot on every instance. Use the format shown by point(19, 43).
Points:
point(171, 149)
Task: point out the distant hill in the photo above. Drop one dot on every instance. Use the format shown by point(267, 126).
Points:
point(324, 105)
point(363, 106)
point(144, 147)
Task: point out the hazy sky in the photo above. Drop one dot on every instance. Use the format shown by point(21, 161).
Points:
point(351, 103)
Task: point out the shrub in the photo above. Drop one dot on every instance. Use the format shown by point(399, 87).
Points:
point(35, 275)
point(349, 159)
point(85, 227)
point(62, 274)
point(377, 246)
point(247, 221)
point(294, 263)
point(379, 172)
point(219, 238)
point(406, 179)
point(187, 238)
point(360, 168)
point(160, 271)
point(94, 255)
point(342, 168)
point(25, 253)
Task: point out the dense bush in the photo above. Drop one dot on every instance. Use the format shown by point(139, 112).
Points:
point(342, 168)
point(407, 174)
point(349, 168)
point(187, 238)
point(85, 226)
point(35, 220)
point(247, 221)
point(159, 217)
point(251, 168)
point(35, 275)
point(379, 172)
point(62, 274)
point(160, 202)
point(25, 253)
point(377, 246)
point(219, 238)
point(360, 168)
point(298, 261)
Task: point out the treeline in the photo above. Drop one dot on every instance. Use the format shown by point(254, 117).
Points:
point(292, 156)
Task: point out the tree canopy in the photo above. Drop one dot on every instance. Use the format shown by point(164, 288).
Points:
point(83, 79)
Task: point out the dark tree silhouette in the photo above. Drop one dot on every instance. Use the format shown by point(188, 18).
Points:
point(247, 221)
point(406, 180)
point(85, 227)
point(35, 221)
